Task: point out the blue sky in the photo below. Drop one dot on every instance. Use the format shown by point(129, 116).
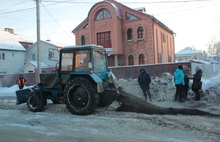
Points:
point(195, 22)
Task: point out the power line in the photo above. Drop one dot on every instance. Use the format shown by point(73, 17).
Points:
point(167, 2)
point(80, 2)
point(187, 9)
point(18, 10)
point(14, 5)
point(141, 2)
point(16, 19)
point(55, 20)
point(89, 2)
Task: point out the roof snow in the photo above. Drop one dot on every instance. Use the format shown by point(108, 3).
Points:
point(22, 38)
point(9, 41)
point(195, 61)
point(140, 9)
point(34, 63)
point(188, 51)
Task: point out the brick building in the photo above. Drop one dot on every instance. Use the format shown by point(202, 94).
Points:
point(130, 36)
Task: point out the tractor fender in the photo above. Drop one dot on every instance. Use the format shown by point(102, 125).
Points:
point(95, 78)
point(98, 81)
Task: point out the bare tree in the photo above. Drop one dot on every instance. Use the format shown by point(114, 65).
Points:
point(211, 45)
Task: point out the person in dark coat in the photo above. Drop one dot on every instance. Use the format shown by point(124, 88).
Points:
point(179, 83)
point(144, 81)
point(21, 81)
point(197, 84)
point(187, 76)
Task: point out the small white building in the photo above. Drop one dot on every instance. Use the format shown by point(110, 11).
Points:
point(48, 52)
point(32, 65)
point(188, 53)
point(12, 54)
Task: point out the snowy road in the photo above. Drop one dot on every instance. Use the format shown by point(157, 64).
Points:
point(56, 124)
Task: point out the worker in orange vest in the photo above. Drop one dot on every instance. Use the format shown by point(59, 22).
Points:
point(21, 81)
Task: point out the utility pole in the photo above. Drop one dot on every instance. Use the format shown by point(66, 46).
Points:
point(38, 39)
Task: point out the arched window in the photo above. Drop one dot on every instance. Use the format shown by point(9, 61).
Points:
point(130, 60)
point(83, 40)
point(103, 14)
point(141, 59)
point(140, 32)
point(129, 34)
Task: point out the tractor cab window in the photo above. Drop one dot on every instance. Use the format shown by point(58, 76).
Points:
point(82, 60)
point(99, 62)
point(67, 61)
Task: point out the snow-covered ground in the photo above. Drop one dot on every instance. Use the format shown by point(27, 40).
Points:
point(57, 124)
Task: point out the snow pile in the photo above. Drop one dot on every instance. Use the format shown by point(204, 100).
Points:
point(10, 91)
point(163, 88)
point(212, 90)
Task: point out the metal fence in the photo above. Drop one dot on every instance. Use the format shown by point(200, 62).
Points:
point(208, 69)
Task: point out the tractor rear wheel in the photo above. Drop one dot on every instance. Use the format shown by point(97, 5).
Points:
point(81, 96)
point(35, 101)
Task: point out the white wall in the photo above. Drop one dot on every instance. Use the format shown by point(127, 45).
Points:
point(13, 63)
point(28, 68)
point(44, 52)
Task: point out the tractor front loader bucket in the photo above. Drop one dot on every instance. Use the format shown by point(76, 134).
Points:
point(22, 95)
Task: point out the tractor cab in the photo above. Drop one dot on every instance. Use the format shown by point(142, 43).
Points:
point(87, 61)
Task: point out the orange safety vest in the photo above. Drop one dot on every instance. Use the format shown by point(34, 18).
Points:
point(19, 81)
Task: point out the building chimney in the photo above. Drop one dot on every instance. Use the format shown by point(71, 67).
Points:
point(9, 30)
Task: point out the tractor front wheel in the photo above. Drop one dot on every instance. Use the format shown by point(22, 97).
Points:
point(81, 96)
point(35, 101)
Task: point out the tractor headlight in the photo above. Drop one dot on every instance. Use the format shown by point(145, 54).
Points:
point(112, 79)
point(110, 76)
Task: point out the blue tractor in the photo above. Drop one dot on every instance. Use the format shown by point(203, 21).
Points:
point(82, 82)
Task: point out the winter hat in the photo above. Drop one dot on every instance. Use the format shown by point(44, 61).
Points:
point(180, 67)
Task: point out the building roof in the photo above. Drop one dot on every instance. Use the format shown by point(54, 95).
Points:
point(84, 21)
point(212, 56)
point(55, 43)
point(151, 16)
point(47, 42)
point(9, 41)
point(119, 15)
point(22, 38)
point(142, 9)
point(34, 63)
point(195, 61)
point(117, 11)
point(188, 51)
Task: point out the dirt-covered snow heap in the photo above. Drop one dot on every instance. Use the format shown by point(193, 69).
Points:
point(163, 88)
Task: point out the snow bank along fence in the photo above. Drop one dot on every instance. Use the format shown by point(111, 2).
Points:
point(124, 72)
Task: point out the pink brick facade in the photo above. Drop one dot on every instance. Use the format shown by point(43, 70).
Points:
point(133, 37)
